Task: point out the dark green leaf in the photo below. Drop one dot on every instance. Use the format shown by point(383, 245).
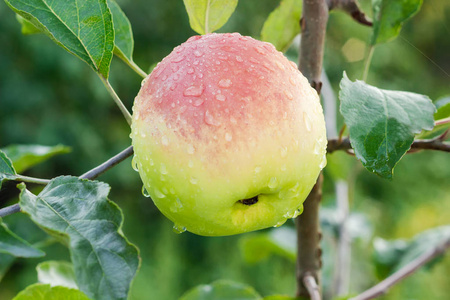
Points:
point(259, 246)
point(56, 273)
point(46, 292)
point(105, 263)
point(84, 28)
point(12, 244)
point(382, 124)
point(6, 262)
point(223, 290)
point(7, 171)
point(393, 255)
point(388, 17)
point(206, 16)
point(24, 157)
point(123, 40)
point(27, 26)
point(283, 25)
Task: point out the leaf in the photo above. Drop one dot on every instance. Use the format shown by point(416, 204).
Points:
point(282, 25)
point(46, 292)
point(257, 247)
point(123, 41)
point(84, 28)
point(7, 171)
point(104, 261)
point(443, 108)
point(6, 262)
point(382, 123)
point(280, 297)
point(388, 17)
point(393, 255)
point(13, 245)
point(24, 157)
point(57, 273)
point(27, 26)
point(443, 111)
point(206, 16)
point(223, 290)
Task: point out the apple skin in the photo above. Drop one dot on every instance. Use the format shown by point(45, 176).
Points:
point(221, 119)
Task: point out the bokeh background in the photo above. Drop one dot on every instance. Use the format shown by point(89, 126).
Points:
point(49, 97)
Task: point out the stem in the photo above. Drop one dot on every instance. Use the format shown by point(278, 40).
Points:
point(312, 287)
point(341, 132)
point(32, 179)
point(92, 174)
point(116, 98)
point(97, 171)
point(368, 61)
point(135, 68)
point(442, 121)
point(411, 267)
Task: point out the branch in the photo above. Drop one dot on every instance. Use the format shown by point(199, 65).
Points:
point(312, 287)
point(92, 174)
point(350, 7)
point(433, 144)
point(383, 286)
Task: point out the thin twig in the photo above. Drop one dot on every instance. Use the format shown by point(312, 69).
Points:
point(97, 171)
point(432, 144)
point(442, 121)
point(135, 68)
point(31, 179)
point(116, 98)
point(351, 7)
point(92, 174)
point(382, 287)
point(312, 287)
point(368, 61)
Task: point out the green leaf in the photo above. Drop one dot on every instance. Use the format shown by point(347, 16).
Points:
point(57, 273)
point(283, 25)
point(24, 157)
point(443, 111)
point(257, 247)
point(7, 171)
point(382, 123)
point(206, 16)
point(223, 290)
point(6, 262)
point(388, 17)
point(123, 41)
point(443, 108)
point(13, 245)
point(84, 28)
point(27, 26)
point(46, 292)
point(104, 261)
point(280, 297)
point(390, 256)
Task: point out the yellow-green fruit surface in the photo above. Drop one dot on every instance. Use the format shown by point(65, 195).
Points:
point(228, 135)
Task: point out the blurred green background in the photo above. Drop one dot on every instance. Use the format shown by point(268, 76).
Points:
point(49, 97)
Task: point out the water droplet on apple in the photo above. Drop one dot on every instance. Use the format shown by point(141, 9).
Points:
point(288, 94)
point(280, 223)
point(239, 59)
point(292, 80)
point(273, 183)
point(279, 65)
point(225, 83)
point(176, 205)
point(297, 213)
point(307, 121)
point(221, 97)
point(178, 58)
point(190, 149)
point(190, 70)
point(193, 180)
point(284, 152)
point(318, 147)
point(228, 137)
point(209, 119)
point(165, 140)
point(143, 81)
point(198, 53)
point(260, 50)
point(177, 228)
point(144, 192)
point(134, 164)
point(323, 162)
point(194, 91)
point(159, 194)
point(164, 78)
point(163, 169)
point(198, 102)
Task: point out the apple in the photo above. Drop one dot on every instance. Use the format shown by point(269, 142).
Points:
point(228, 135)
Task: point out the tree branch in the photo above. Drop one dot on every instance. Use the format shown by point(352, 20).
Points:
point(433, 144)
point(92, 174)
point(383, 286)
point(350, 7)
